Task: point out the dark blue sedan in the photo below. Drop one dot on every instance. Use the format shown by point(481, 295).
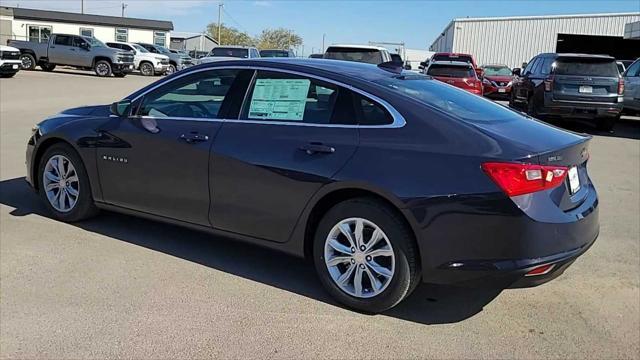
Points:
point(383, 178)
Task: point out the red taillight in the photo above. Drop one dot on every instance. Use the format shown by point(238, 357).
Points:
point(548, 84)
point(620, 86)
point(474, 83)
point(541, 270)
point(518, 179)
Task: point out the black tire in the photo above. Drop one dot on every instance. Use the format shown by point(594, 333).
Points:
point(120, 75)
point(607, 123)
point(531, 108)
point(85, 206)
point(28, 61)
point(47, 66)
point(171, 69)
point(146, 69)
point(102, 68)
point(407, 269)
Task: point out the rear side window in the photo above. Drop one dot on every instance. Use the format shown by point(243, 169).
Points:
point(196, 96)
point(63, 40)
point(369, 56)
point(287, 97)
point(450, 71)
point(586, 67)
point(370, 112)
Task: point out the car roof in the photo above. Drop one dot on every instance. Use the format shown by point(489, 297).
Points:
point(452, 54)
point(233, 47)
point(339, 68)
point(451, 63)
point(579, 55)
point(494, 65)
point(355, 46)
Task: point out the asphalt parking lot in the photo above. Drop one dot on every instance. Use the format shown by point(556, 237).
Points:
point(117, 286)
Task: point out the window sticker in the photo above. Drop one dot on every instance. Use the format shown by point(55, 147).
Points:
point(279, 99)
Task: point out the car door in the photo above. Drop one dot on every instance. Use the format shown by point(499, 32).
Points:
point(632, 86)
point(60, 50)
point(80, 52)
point(523, 83)
point(158, 161)
point(291, 137)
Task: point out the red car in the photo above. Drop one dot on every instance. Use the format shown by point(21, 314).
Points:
point(457, 57)
point(497, 81)
point(457, 73)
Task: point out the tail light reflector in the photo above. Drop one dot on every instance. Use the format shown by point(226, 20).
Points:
point(620, 86)
point(548, 84)
point(541, 270)
point(519, 179)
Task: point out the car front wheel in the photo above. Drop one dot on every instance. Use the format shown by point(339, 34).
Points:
point(64, 185)
point(365, 255)
point(102, 68)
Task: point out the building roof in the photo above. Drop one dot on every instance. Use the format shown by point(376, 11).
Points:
point(543, 17)
point(190, 35)
point(59, 16)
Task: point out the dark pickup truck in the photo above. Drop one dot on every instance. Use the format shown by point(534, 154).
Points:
point(77, 51)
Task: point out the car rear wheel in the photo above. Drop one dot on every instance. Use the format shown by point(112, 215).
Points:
point(607, 124)
point(28, 61)
point(365, 255)
point(170, 70)
point(102, 68)
point(146, 69)
point(64, 185)
point(48, 66)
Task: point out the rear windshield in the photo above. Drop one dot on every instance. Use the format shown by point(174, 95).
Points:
point(463, 58)
point(230, 52)
point(396, 58)
point(274, 53)
point(451, 100)
point(450, 71)
point(369, 56)
point(586, 67)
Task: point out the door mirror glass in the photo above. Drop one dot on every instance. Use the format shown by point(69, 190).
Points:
point(121, 108)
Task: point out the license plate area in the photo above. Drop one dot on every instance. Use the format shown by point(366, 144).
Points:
point(574, 180)
point(502, 90)
point(585, 89)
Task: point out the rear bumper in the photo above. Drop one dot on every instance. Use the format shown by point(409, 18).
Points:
point(579, 109)
point(499, 243)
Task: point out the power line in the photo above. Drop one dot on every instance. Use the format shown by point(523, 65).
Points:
point(234, 20)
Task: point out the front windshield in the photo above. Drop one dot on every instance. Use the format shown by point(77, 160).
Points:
point(139, 48)
point(451, 100)
point(94, 42)
point(496, 71)
point(163, 49)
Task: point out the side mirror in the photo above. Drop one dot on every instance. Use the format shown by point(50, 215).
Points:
point(121, 108)
point(85, 46)
point(407, 66)
point(516, 71)
point(480, 72)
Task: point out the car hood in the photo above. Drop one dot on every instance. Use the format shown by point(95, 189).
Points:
point(73, 115)
point(8, 48)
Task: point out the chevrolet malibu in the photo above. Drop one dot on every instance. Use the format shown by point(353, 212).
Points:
point(383, 178)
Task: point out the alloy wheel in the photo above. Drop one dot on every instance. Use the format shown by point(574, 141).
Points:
point(27, 63)
point(359, 257)
point(170, 70)
point(61, 183)
point(146, 69)
point(102, 69)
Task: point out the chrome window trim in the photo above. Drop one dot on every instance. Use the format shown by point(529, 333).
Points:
point(398, 120)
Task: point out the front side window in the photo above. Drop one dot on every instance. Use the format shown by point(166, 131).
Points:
point(38, 33)
point(86, 32)
point(122, 35)
point(159, 38)
point(196, 96)
point(288, 97)
point(527, 70)
point(79, 42)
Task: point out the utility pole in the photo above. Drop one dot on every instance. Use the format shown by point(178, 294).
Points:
point(82, 6)
point(323, 36)
point(124, 6)
point(220, 22)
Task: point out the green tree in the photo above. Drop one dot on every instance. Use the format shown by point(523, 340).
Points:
point(230, 35)
point(279, 38)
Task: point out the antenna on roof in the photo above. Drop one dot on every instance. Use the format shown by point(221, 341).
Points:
point(391, 66)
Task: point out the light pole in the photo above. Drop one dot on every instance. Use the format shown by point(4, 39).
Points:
point(323, 36)
point(124, 6)
point(81, 6)
point(220, 22)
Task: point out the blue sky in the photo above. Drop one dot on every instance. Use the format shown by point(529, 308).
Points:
point(417, 23)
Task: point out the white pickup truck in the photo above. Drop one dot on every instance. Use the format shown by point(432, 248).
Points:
point(9, 61)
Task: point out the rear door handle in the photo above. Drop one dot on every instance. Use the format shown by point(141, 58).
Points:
point(314, 147)
point(194, 138)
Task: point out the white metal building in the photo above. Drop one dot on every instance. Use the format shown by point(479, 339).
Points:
point(192, 42)
point(37, 25)
point(514, 40)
